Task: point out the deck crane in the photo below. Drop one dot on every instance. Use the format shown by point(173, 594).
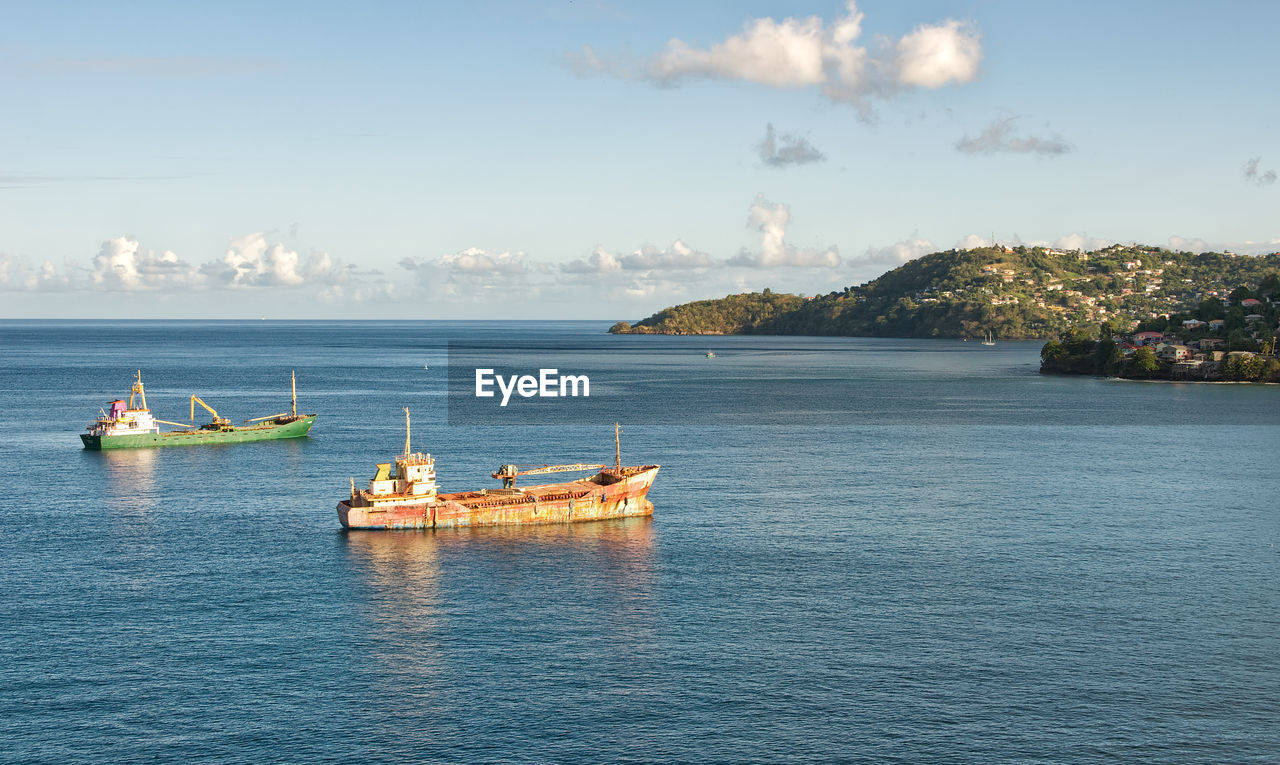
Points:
point(220, 421)
point(509, 473)
point(293, 385)
point(141, 393)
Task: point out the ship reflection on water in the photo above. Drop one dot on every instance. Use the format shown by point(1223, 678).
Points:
point(399, 560)
point(131, 479)
point(401, 592)
point(408, 571)
point(441, 603)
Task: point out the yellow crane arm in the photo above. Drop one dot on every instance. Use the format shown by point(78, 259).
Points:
point(196, 400)
point(216, 419)
point(179, 424)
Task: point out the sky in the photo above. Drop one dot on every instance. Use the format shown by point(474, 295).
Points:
point(600, 159)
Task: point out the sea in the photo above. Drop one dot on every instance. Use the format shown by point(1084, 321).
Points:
point(868, 550)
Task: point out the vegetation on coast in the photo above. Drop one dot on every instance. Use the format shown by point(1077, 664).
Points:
point(735, 314)
point(1013, 293)
point(1081, 354)
point(1221, 339)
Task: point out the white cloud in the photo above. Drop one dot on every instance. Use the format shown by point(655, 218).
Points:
point(782, 54)
point(809, 52)
point(999, 138)
point(477, 276)
point(122, 264)
point(972, 241)
point(476, 260)
point(772, 220)
point(933, 56)
point(17, 274)
point(677, 257)
point(601, 261)
point(786, 150)
point(251, 262)
point(1247, 247)
point(1072, 241)
point(1081, 242)
point(896, 254)
point(358, 293)
point(1183, 244)
point(648, 286)
point(1088, 243)
point(484, 278)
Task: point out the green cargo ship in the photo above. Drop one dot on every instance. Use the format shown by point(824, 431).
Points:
point(127, 427)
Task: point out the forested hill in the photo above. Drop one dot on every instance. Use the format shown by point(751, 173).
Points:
point(735, 314)
point(1013, 293)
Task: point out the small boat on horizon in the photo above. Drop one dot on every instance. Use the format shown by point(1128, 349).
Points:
point(988, 339)
point(125, 426)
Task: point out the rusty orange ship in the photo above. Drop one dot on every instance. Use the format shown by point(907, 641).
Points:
point(403, 495)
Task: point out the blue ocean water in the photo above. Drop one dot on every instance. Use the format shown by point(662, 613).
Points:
point(885, 550)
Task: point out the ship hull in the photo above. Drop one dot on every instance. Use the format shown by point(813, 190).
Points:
point(558, 503)
point(265, 432)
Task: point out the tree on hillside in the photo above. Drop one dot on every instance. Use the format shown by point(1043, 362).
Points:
point(1053, 350)
point(1270, 285)
point(1107, 355)
point(1145, 359)
point(1210, 308)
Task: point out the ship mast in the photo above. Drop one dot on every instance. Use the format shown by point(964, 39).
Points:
point(406, 431)
point(293, 385)
point(617, 446)
point(137, 388)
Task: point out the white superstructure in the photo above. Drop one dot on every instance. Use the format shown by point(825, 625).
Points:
point(124, 419)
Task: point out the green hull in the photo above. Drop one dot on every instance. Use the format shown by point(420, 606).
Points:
point(269, 431)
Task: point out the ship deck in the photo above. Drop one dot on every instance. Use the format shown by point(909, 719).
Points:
point(550, 492)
